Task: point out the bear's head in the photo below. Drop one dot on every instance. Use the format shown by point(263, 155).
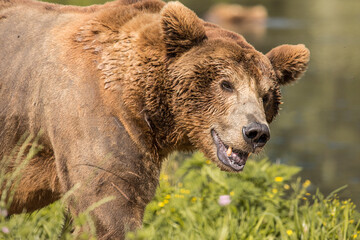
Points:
point(225, 93)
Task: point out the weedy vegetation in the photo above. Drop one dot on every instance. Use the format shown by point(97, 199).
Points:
point(195, 200)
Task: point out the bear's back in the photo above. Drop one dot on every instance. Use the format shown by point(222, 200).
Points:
point(138, 4)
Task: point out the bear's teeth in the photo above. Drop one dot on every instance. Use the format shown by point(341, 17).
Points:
point(229, 152)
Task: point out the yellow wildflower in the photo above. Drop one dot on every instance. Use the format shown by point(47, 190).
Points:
point(193, 199)
point(289, 232)
point(184, 191)
point(351, 221)
point(166, 201)
point(167, 196)
point(164, 177)
point(180, 184)
point(304, 198)
point(179, 196)
point(208, 161)
point(161, 204)
point(274, 190)
point(306, 183)
point(231, 193)
point(355, 236)
point(307, 194)
point(279, 179)
point(286, 186)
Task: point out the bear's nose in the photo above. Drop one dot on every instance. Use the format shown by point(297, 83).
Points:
point(256, 134)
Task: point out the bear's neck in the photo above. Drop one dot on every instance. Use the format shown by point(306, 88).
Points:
point(134, 71)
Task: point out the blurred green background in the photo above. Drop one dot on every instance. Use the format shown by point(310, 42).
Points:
point(319, 126)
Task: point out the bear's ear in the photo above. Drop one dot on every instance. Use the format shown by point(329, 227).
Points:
point(182, 28)
point(289, 62)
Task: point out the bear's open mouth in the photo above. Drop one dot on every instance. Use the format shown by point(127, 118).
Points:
point(234, 158)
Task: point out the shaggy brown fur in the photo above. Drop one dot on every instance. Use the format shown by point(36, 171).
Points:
point(116, 88)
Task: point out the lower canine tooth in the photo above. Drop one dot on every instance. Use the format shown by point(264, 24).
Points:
point(229, 152)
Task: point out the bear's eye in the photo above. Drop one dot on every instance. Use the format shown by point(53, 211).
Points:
point(227, 86)
point(265, 98)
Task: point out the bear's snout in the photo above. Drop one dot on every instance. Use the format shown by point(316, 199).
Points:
point(256, 134)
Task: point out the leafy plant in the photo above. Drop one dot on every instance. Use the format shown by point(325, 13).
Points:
point(265, 204)
point(195, 200)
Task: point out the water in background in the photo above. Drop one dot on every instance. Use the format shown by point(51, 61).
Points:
point(319, 126)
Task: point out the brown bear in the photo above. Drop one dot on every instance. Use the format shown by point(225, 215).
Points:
point(249, 21)
point(115, 88)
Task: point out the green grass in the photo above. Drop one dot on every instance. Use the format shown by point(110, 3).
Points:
point(266, 203)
